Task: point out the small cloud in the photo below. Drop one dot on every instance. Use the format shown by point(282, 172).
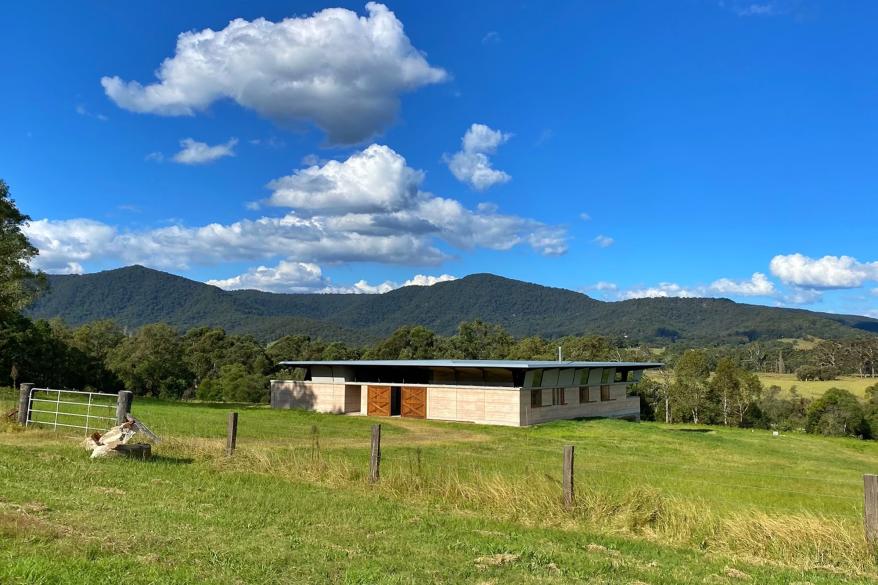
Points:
point(765, 8)
point(607, 289)
point(270, 142)
point(127, 207)
point(584, 216)
point(491, 38)
point(83, 111)
point(604, 241)
point(471, 164)
point(544, 136)
point(758, 285)
point(756, 10)
point(311, 160)
point(199, 153)
point(802, 296)
point(253, 205)
point(155, 156)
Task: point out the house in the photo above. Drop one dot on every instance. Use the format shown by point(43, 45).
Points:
point(499, 392)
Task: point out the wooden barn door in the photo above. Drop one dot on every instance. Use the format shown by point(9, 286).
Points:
point(414, 402)
point(378, 401)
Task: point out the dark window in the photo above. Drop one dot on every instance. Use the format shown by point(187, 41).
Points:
point(622, 375)
point(536, 398)
point(605, 393)
point(558, 397)
point(583, 394)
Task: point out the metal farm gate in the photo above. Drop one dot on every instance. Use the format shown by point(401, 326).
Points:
point(89, 411)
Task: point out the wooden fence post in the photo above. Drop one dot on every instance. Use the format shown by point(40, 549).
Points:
point(567, 479)
point(870, 509)
point(123, 405)
point(24, 392)
point(231, 433)
point(375, 458)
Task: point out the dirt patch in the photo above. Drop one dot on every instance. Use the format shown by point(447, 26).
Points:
point(497, 560)
point(109, 491)
point(24, 525)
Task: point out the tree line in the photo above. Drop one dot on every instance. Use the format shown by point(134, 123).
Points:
point(693, 389)
point(209, 364)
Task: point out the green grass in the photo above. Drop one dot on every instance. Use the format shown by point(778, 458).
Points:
point(814, 389)
point(655, 504)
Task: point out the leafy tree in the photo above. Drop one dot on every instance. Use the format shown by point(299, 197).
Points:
point(747, 398)
point(531, 348)
point(16, 277)
point(409, 342)
point(295, 347)
point(587, 348)
point(690, 384)
point(234, 384)
point(651, 394)
point(94, 342)
point(207, 350)
point(725, 387)
point(477, 340)
point(151, 362)
point(837, 412)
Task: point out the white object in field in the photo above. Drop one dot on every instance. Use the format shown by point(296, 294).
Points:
point(776, 433)
point(107, 444)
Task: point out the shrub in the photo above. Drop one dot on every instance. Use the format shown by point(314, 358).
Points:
point(808, 373)
point(837, 412)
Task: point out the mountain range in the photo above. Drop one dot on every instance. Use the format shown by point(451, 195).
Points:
point(134, 296)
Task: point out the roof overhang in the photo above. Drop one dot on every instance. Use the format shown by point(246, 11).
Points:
point(504, 364)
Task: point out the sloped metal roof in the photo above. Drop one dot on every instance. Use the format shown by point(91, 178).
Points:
point(505, 364)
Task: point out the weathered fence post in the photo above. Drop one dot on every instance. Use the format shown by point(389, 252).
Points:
point(567, 479)
point(231, 433)
point(123, 405)
point(24, 392)
point(870, 509)
point(375, 458)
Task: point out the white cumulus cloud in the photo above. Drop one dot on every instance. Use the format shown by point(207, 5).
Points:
point(343, 72)
point(289, 276)
point(662, 290)
point(471, 164)
point(604, 241)
point(368, 208)
point(65, 244)
point(374, 180)
point(828, 272)
point(427, 280)
point(193, 152)
point(757, 286)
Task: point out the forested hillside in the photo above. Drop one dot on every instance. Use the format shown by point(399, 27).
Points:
point(135, 296)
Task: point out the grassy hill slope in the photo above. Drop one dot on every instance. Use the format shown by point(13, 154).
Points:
point(456, 504)
point(135, 296)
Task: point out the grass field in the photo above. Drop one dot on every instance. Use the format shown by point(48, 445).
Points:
point(456, 504)
point(814, 389)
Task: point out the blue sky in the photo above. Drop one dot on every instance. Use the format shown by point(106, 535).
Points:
point(688, 147)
